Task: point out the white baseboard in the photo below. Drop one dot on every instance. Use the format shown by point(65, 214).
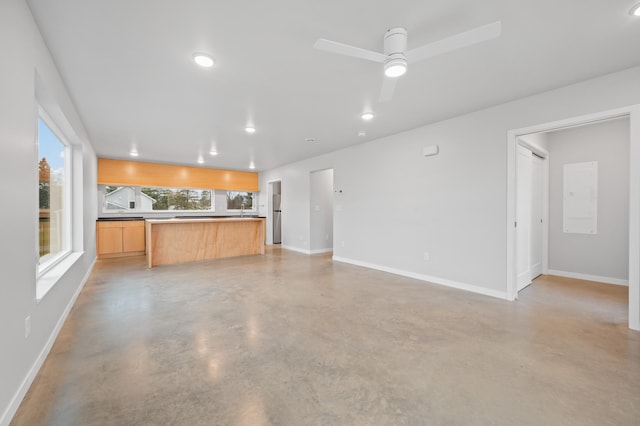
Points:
point(319, 251)
point(307, 251)
point(299, 250)
point(587, 277)
point(11, 410)
point(428, 278)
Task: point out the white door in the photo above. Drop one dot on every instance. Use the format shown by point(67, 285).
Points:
point(536, 216)
point(523, 216)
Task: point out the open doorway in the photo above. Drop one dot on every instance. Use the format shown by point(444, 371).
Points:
point(532, 176)
point(517, 154)
point(274, 212)
point(321, 214)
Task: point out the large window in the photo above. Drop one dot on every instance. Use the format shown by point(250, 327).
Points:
point(149, 199)
point(54, 196)
point(240, 200)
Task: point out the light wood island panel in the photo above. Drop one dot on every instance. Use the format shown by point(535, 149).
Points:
point(187, 240)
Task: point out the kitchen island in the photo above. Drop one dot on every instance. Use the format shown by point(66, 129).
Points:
point(191, 239)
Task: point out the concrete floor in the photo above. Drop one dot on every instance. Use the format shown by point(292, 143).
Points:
point(291, 339)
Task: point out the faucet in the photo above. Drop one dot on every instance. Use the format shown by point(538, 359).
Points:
point(242, 210)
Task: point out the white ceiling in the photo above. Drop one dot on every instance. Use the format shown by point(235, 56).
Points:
point(128, 67)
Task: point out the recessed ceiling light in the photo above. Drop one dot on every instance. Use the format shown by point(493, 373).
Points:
point(310, 139)
point(250, 129)
point(252, 166)
point(213, 152)
point(133, 153)
point(395, 67)
point(367, 116)
point(635, 10)
point(203, 60)
point(362, 133)
point(200, 160)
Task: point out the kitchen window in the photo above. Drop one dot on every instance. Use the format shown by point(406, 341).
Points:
point(240, 201)
point(156, 199)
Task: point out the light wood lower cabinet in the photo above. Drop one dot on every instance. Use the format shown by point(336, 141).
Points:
point(133, 236)
point(120, 238)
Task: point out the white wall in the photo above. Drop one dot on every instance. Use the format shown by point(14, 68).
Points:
point(321, 211)
point(397, 204)
point(295, 201)
point(539, 140)
point(24, 54)
point(605, 254)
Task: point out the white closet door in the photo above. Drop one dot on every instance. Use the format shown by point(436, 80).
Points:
point(523, 216)
point(536, 216)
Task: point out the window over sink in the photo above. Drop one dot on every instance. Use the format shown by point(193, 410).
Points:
point(241, 201)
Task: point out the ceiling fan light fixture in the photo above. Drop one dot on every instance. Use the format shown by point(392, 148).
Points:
point(395, 67)
point(635, 10)
point(203, 60)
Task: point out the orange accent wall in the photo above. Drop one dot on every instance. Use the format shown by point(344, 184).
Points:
point(135, 173)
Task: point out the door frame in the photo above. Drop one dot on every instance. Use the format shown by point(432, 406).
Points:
point(324, 250)
point(269, 224)
point(633, 112)
point(540, 152)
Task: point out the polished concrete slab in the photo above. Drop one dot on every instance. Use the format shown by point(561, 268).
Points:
point(291, 339)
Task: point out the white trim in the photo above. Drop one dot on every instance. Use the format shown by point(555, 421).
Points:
point(533, 147)
point(46, 281)
point(319, 251)
point(633, 112)
point(299, 250)
point(306, 251)
point(588, 277)
point(8, 414)
point(634, 218)
point(431, 279)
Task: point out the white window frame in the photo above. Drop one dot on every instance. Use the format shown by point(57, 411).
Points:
point(42, 267)
point(254, 197)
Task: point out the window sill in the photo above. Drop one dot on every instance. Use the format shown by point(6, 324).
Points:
point(49, 279)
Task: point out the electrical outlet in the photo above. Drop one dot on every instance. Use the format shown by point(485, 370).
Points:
point(426, 255)
point(27, 326)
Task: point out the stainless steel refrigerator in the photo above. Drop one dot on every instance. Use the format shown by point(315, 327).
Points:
point(277, 217)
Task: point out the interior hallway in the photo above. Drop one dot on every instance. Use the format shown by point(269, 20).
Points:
point(293, 339)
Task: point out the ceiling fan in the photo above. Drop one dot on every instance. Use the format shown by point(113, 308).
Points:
point(396, 57)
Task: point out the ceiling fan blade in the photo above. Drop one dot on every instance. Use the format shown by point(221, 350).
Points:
point(388, 87)
point(467, 38)
point(345, 49)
